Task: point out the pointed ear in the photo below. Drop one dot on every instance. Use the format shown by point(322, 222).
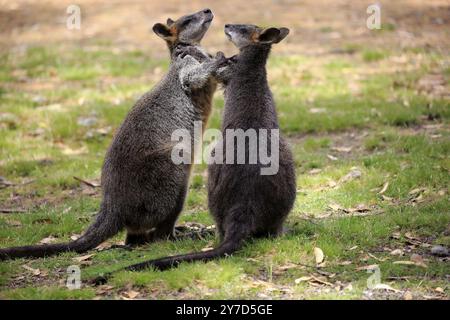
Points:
point(169, 22)
point(162, 31)
point(268, 35)
point(283, 33)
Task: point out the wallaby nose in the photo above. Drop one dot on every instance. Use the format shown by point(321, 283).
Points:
point(207, 11)
point(227, 26)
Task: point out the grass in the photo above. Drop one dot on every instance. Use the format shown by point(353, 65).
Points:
point(325, 105)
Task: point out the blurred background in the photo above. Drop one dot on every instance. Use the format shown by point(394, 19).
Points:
point(365, 111)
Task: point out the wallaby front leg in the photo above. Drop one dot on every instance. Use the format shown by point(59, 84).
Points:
point(194, 75)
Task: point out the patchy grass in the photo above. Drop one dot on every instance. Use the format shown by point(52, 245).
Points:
point(362, 114)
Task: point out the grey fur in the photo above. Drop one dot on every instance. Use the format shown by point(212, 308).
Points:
point(143, 190)
point(244, 203)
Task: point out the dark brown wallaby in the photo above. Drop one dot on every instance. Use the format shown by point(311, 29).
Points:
point(143, 190)
point(244, 203)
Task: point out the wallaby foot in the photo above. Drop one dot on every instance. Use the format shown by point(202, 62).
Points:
point(134, 240)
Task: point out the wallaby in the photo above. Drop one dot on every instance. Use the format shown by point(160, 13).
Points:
point(244, 203)
point(143, 191)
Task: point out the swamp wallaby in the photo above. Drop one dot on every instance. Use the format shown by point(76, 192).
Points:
point(143, 190)
point(244, 202)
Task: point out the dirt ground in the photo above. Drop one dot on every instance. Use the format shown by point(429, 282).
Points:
point(317, 26)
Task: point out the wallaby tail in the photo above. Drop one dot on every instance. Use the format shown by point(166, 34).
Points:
point(226, 248)
point(102, 229)
point(237, 232)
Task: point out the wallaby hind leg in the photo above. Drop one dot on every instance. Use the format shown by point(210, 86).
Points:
point(136, 239)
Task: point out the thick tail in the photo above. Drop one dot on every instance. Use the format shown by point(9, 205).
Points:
point(102, 229)
point(235, 236)
point(226, 248)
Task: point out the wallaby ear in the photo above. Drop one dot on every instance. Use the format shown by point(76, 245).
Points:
point(162, 31)
point(169, 22)
point(269, 35)
point(283, 33)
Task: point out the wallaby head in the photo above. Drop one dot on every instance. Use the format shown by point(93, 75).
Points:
point(188, 29)
point(244, 35)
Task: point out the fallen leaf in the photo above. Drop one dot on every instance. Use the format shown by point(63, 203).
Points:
point(35, 272)
point(376, 258)
point(315, 171)
point(353, 248)
point(335, 207)
point(359, 208)
point(345, 263)
point(354, 173)
point(131, 294)
point(342, 149)
point(317, 110)
point(331, 157)
point(321, 281)
point(48, 240)
point(415, 191)
point(395, 235)
point(302, 279)
point(383, 190)
point(14, 223)
point(75, 237)
point(396, 252)
point(407, 296)
point(382, 286)
point(318, 254)
point(83, 258)
point(439, 289)
point(418, 260)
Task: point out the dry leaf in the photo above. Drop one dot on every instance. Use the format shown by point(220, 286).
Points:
point(396, 235)
point(345, 263)
point(376, 258)
point(353, 248)
point(318, 254)
point(83, 258)
point(382, 286)
point(396, 252)
point(342, 149)
point(48, 240)
point(35, 272)
point(383, 190)
point(315, 171)
point(439, 289)
point(302, 279)
point(331, 157)
point(407, 296)
point(415, 191)
point(14, 223)
point(418, 260)
point(354, 173)
point(335, 207)
point(131, 294)
point(75, 237)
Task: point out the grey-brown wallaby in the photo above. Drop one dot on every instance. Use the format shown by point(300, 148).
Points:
point(143, 190)
point(244, 203)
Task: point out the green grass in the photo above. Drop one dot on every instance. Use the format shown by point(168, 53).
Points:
point(323, 103)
